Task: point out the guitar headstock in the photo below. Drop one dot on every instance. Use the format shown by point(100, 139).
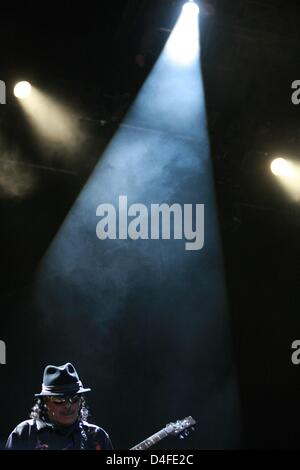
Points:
point(181, 427)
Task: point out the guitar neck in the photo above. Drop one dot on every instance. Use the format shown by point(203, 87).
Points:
point(154, 439)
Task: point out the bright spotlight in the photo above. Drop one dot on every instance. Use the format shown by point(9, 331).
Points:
point(22, 90)
point(281, 167)
point(183, 44)
point(288, 173)
point(191, 8)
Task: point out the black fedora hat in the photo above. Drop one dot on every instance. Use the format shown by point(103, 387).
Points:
point(61, 380)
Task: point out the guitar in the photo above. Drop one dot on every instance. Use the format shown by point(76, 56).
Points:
point(180, 428)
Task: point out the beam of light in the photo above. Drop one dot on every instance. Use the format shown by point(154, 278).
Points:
point(56, 125)
point(22, 90)
point(183, 44)
point(288, 174)
point(138, 288)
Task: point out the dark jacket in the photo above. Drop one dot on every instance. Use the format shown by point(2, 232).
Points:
point(40, 435)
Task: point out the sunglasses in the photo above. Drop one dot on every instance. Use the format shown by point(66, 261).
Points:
point(64, 400)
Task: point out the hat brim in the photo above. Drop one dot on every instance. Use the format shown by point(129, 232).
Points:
point(61, 394)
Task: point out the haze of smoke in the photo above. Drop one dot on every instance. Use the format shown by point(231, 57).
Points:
point(16, 180)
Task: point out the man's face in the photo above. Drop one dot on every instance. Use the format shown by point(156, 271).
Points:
point(63, 410)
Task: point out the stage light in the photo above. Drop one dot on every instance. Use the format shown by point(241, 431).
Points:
point(191, 8)
point(282, 167)
point(22, 90)
point(183, 45)
point(288, 174)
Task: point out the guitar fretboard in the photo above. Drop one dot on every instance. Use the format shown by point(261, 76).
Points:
point(151, 440)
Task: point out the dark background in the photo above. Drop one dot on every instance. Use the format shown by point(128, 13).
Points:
point(87, 55)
